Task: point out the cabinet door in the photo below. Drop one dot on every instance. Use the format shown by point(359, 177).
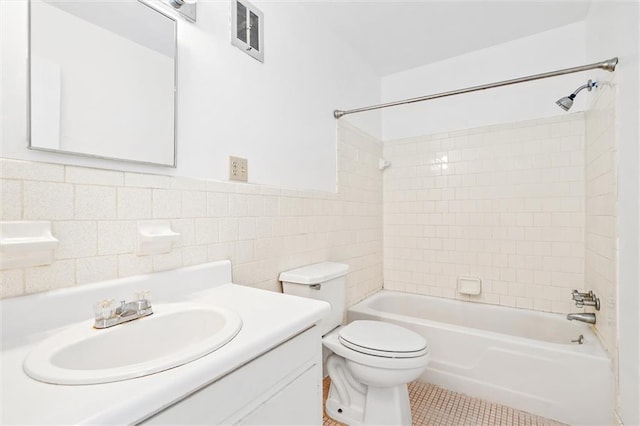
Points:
point(296, 363)
point(296, 404)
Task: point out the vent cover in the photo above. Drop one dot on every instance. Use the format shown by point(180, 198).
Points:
point(247, 28)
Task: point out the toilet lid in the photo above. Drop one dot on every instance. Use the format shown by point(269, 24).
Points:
point(382, 339)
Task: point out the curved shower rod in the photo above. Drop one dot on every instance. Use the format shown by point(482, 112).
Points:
point(608, 65)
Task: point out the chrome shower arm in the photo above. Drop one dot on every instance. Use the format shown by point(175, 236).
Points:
point(590, 85)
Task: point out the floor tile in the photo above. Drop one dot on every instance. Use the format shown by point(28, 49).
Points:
point(434, 406)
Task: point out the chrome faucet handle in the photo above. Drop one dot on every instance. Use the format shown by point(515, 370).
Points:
point(577, 296)
point(586, 299)
point(595, 302)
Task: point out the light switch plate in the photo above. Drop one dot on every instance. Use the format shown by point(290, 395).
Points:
point(238, 169)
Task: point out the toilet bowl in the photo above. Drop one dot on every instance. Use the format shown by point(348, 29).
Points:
point(370, 366)
point(371, 362)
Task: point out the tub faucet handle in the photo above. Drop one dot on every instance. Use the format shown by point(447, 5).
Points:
point(577, 296)
point(594, 301)
point(586, 299)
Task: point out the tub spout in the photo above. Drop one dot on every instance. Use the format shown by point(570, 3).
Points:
point(589, 318)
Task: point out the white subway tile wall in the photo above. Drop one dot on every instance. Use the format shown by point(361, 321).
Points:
point(504, 203)
point(262, 230)
point(601, 211)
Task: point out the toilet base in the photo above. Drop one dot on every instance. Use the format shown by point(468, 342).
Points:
point(353, 403)
point(387, 406)
point(381, 406)
point(347, 414)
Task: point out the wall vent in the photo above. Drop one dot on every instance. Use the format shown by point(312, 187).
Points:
point(247, 28)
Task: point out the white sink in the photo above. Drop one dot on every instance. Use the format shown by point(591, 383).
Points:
point(174, 335)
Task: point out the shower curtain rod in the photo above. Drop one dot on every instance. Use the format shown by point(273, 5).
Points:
point(608, 65)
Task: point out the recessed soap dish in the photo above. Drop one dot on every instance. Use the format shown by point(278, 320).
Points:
point(26, 243)
point(469, 285)
point(155, 237)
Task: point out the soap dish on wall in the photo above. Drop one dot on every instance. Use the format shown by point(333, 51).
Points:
point(469, 285)
point(155, 237)
point(26, 243)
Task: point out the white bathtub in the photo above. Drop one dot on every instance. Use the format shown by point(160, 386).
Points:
point(520, 358)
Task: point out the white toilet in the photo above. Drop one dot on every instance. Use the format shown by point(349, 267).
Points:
point(372, 361)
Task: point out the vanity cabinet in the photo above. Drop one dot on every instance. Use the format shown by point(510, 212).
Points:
point(280, 387)
point(269, 373)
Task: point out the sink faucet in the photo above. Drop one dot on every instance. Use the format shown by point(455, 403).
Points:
point(589, 318)
point(108, 316)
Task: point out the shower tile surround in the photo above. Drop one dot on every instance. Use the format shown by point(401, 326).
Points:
point(504, 203)
point(262, 230)
point(601, 209)
point(601, 214)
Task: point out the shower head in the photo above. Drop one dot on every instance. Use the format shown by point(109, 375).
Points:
point(567, 102)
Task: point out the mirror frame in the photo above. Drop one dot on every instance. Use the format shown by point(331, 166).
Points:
point(148, 4)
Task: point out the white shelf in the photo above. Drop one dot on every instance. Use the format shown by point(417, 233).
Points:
point(25, 244)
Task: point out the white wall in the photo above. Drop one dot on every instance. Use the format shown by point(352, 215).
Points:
point(613, 30)
point(548, 51)
point(277, 114)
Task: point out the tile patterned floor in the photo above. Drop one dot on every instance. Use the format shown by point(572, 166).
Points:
point(434, 406)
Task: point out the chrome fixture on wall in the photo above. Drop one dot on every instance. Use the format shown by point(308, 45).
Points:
point(607, 65)
point(567, 102)
point(589, 318)
point(186, 8)
point(585, 299)
point(582, 300)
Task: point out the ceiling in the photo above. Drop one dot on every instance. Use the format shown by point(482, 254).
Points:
point(394, 36)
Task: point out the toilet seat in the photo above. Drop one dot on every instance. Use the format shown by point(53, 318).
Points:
point(382, 339)
point(332, 342)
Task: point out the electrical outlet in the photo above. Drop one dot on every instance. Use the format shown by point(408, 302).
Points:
point(238, 169)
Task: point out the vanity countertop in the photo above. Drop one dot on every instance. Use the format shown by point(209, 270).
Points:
point(269, 319)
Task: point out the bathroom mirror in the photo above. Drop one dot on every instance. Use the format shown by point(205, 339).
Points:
point(102, 77)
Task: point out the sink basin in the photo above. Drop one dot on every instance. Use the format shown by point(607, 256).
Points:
point(174, 335)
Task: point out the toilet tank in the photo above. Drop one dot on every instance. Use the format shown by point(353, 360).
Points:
point(322, 281)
